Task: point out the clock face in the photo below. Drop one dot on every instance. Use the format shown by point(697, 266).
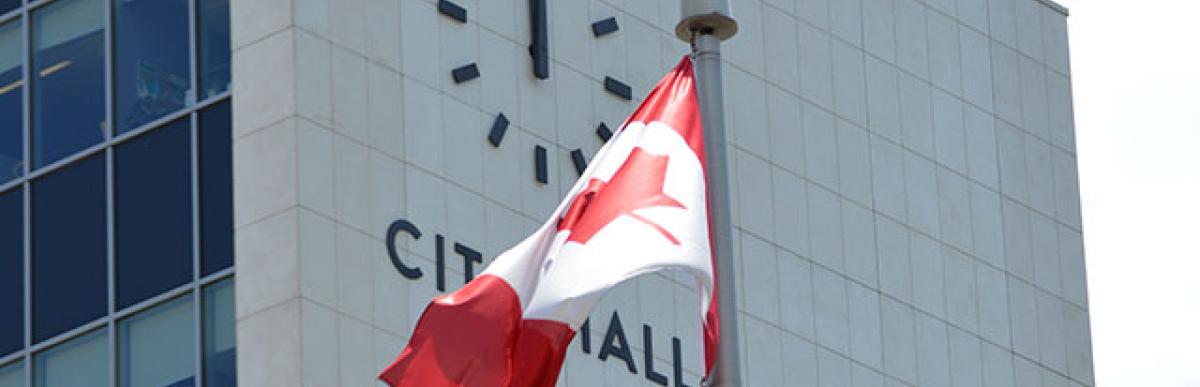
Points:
point(539, 52)
point(609, 341)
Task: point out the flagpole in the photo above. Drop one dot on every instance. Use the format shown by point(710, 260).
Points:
point(703, 25)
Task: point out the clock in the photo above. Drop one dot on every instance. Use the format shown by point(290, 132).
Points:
point(539, 53)
point(614, 343)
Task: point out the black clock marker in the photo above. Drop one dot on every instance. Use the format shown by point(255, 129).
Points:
point(604, 132)
point(618, 88)
point(605, 27)
point(440, 261)
point(539, 47)
point(579, 161)
point(454, 11)
point(499, 127)
point(465, 73)
point(539, 161)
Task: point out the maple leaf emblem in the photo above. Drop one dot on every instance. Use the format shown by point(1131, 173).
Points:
point(637, 184)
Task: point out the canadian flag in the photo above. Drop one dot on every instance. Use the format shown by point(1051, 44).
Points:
point(640, 207)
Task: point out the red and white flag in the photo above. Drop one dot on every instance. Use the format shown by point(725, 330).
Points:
point(640, 207)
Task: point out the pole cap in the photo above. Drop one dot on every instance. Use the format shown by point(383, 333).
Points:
point(710, 16)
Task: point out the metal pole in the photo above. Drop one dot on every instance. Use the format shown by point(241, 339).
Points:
point(704, 24)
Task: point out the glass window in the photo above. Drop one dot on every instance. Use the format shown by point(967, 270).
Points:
point(152, 73)
point(213, 43)
point(216, 189)
point(80, 362)
point(11, 113)
point(68, 78)
point(13, 375)
point(220, 342)
point(152, 179)
point(157, 347)
point(8, 5)
point(70, 266)
point(12, 272)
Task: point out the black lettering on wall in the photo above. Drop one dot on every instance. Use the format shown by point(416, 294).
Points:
point(648, 345)
point(620, 348)
point(585, 336)
point(615, 342)
point(677, 356)
point(470, 257)
point(398, 226)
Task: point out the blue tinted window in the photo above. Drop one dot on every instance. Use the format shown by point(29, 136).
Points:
point(213, 35)
point(216, 189)
point(220, 339)
point(12, 272)
point(70, 266)
point(151, 69)
point(68, 78)
point(82, 361)
point(12, 375)
point(157, 347)
point(11, 113)
point(152, 183)
point(8, 5)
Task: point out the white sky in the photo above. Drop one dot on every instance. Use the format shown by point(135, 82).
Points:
point(1136, 77)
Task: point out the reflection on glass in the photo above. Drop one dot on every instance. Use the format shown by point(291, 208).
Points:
point(68, 78)
point(11, 113)
point(213, 43)
point(70, 264)
point(80, 362)
point(151, 75)
point(152, 185)
point(12, 272)
point(216, 189)
point(220, 343)
point(13, 375)
point(157, 347)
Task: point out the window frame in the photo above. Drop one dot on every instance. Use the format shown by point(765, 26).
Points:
point(105, 149)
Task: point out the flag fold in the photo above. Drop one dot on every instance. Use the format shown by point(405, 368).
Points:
point(638, 208)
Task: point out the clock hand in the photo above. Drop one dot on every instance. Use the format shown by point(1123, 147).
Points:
point(539, 48)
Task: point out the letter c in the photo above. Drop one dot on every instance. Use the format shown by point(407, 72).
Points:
point(395, 228)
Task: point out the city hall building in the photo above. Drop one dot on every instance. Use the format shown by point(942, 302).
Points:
point(269, 192)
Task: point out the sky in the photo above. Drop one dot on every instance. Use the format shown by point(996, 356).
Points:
point(1136, 78)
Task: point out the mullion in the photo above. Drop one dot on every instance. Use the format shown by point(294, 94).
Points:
point(26, 112)
point(118, 139)
point(14, 15)
point(194, 95)
point(135, 309)
point(110, 139)
point(197, 305)
point(109, 125)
